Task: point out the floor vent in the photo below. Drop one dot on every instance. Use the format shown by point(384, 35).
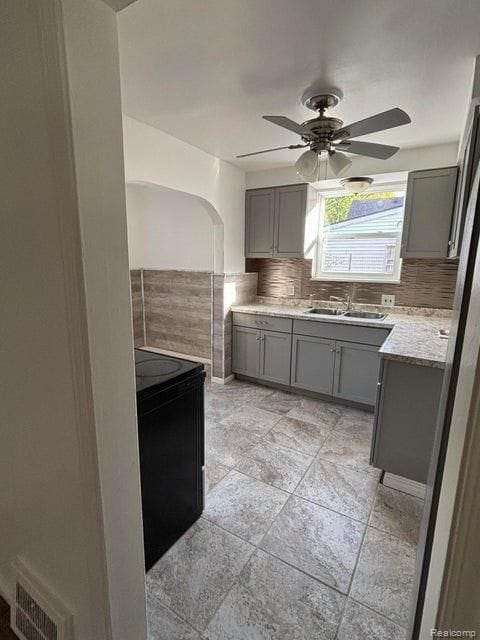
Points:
point(37, 614)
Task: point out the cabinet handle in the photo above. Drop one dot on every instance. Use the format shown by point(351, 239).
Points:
point(379, 384)
point(450, 243)
point(332, 350)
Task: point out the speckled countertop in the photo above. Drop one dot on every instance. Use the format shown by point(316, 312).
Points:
point(413, 335)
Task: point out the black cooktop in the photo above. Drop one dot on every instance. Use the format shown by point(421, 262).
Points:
point(154, 371)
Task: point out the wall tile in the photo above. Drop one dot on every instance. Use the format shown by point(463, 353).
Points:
point(137, 307)
point(424, 283)
point(178, 309)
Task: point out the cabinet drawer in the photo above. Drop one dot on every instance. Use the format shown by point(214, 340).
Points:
point(255, 321)
point(347, 332)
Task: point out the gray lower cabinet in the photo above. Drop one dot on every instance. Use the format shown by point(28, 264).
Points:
point(275, 353)
point(331, 359)
point(405, 418)
point(356, 372)
point(246, 351)
point(313, 361)
point(262, 354)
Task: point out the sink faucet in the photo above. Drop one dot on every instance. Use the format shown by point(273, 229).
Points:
point(346, 301)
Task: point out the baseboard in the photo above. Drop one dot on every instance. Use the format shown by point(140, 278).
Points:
point(411, 487)
point(223, 380)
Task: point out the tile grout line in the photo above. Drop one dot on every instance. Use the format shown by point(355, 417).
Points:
point(356, 563)
point(175, 613)
point(382, 615)
point(290, 494)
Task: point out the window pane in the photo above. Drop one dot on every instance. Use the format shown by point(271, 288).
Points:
point(361, 233)
point(359, 255)
point(341, 211)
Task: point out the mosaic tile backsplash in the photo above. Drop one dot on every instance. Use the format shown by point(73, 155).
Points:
point(424, 283)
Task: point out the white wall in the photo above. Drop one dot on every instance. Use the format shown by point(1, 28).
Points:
point(152, 156)
point(66, 344)
point(168, 230)
point(442, 155)
point(94, 81)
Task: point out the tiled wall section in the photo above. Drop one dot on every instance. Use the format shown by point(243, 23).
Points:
point(243, 292)
point(185, 312)
point(424, 283)
point(137, 307)
point(246, 285)
point(178, 311)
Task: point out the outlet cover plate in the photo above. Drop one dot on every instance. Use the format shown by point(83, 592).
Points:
point(388, 300)
point(290, 289)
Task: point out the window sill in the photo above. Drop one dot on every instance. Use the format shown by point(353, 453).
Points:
point(359, 279)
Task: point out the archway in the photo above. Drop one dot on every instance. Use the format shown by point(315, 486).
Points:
point(176, 258)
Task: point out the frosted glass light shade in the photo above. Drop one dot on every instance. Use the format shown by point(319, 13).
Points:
point(307, 166)
point(339, 162)
point(356, 184)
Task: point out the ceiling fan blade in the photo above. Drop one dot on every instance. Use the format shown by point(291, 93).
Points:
point(286, 123)
point(379, 122)
point(370, 149)
point(290, 146)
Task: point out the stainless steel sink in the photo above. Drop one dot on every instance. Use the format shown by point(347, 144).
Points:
point(370, 315)
point(325, 311)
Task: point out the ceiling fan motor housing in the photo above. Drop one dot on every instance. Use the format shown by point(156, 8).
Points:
point(321, 100)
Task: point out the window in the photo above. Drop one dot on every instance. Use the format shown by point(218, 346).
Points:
point(360, 235)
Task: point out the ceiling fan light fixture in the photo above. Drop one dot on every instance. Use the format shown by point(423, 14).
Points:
point(307, 166)
point(339, 162)
point(356, 184)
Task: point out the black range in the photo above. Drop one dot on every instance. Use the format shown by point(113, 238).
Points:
point(170, 409)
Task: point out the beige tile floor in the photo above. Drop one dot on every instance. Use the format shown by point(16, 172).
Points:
point(298, 540)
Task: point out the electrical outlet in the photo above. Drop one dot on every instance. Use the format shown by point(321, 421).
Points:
point(388, 300)
point(290, 289)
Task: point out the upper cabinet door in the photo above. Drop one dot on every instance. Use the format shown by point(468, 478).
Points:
point(428, 213)
point(290, 209)
point(259, 223)
point(469, 158)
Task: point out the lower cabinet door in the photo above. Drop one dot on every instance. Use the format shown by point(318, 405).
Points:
point(356, 372)
point(246, 351)
point(275, 353)
point(313, 364)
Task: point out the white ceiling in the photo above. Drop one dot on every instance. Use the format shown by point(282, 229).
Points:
point(206, 71)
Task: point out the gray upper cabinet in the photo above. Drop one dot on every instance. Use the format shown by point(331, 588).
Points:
point(469, 156)
point(428, 213)
point(259, 223)
point(356, 372)
point(290, 208)
point(313, 361)
point(275, 351)
point(275, 221)
point(246, 351)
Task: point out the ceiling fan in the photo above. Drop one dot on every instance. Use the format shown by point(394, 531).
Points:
point(327, 136)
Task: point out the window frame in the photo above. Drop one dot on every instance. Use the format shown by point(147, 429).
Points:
point(348, 276)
